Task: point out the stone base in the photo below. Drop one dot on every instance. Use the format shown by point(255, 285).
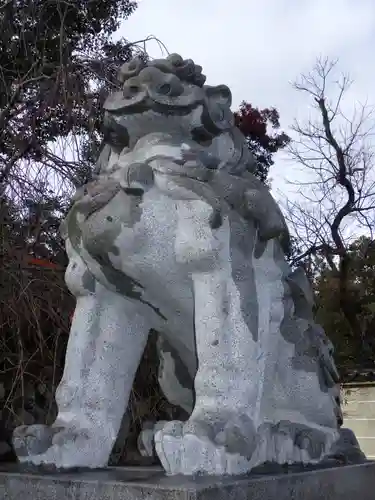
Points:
point(134, 483)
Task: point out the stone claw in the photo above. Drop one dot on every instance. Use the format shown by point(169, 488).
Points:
point(195, 447)
point(32, 439)
point(58, 446)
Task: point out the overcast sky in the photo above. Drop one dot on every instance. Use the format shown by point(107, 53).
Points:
point(258, 47)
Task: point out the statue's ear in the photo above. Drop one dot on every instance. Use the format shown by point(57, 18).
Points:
point(220, 93)
point(216, 114)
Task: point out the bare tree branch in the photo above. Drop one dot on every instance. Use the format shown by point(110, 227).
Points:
point(336, 152)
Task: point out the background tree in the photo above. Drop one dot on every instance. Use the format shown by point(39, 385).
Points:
point(350, 349)
point(57, 59)
point(34, 315)
point(338, 197)
point(261, 127)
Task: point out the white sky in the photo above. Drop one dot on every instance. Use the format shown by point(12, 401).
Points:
point(258, 47)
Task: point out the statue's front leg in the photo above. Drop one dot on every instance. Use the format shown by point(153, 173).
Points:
point(220, 435)
point(107, 338)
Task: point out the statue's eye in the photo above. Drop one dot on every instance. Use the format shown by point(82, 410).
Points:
point(165, 89)
point(130, 90)
point(173, 87)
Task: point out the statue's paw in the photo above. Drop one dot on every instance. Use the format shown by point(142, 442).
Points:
point(60, 447)
point(346, 449)
point(299, 443)
point(313, 442)
point(194, 447)
point(29, 440)
point(234, 446)
point(146, 438)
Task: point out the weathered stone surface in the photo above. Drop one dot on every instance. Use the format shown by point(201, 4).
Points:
point(341, 483)
point(176, 234)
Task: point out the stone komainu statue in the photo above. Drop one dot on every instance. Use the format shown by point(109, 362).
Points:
point(176, 234)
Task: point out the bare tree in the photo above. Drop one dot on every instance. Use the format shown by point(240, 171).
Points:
point(336, 202)
point(57, 64)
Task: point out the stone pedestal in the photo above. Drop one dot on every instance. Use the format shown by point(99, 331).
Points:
point(334, 483)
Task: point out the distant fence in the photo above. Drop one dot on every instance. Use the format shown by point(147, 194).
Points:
point(359, 414)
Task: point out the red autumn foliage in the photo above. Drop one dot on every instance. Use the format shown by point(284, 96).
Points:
point(42, 263)
point(261, 127)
